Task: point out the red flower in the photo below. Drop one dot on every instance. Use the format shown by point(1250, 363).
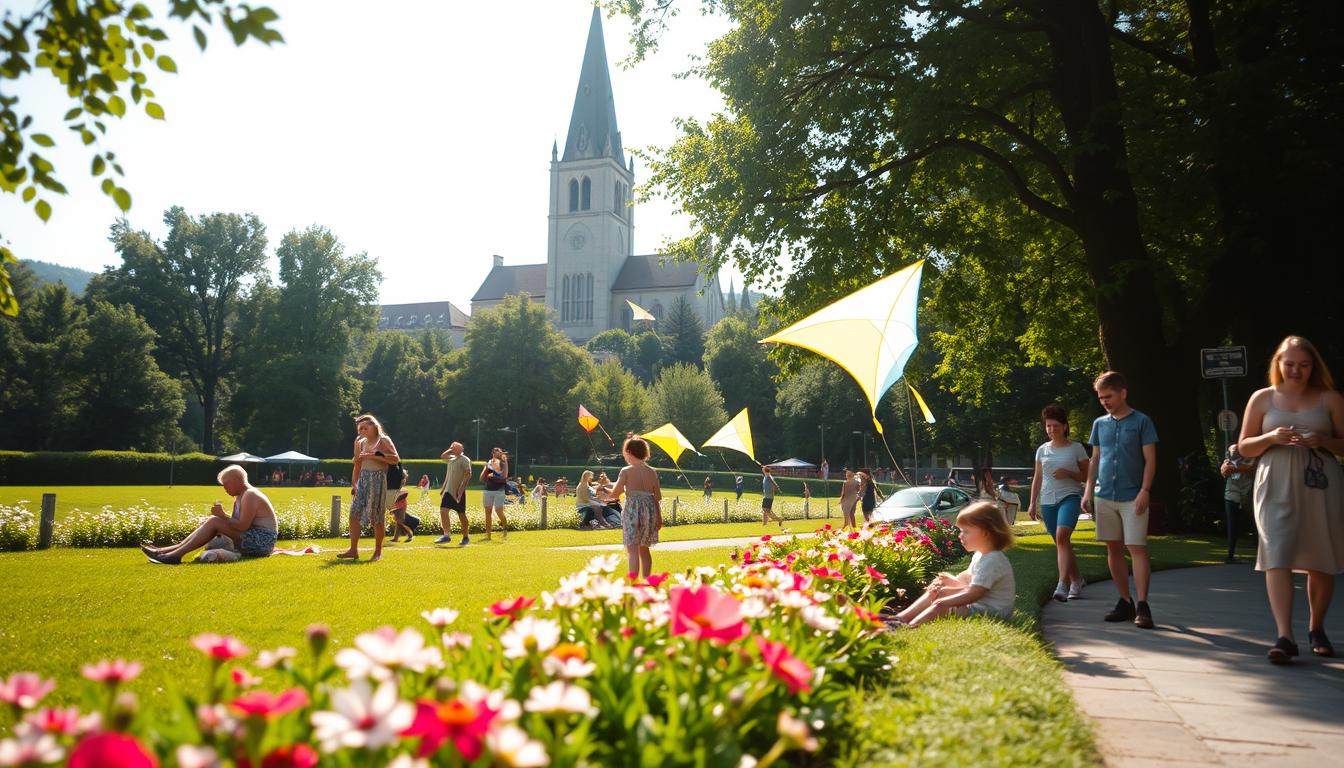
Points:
point(512, 608)
point(853, 535)
point(766, 537)
point(293, 756)
point(790, 669)
point(866, 615)
point(822, 572)
point(111, 749)
point(267, 704)
point(115, 671)
point(219, 647)
point(876, 575)
point(705, 613)
point(657, 579)
point(461, 722)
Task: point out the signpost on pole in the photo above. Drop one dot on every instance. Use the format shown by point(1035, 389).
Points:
point(1224, 363)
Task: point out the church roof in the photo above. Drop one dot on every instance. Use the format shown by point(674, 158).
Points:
point(648, 273)
point(508, 281)
point(592, 124)
point(424, 314)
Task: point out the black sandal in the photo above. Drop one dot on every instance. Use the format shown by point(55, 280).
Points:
point(1320, 644)
point(1282, 651)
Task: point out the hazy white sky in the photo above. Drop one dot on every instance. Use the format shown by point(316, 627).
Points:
point(419, 132)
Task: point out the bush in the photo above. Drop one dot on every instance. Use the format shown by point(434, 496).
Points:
point(106, 468)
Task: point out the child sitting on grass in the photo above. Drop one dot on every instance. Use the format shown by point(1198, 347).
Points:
point(986, 587)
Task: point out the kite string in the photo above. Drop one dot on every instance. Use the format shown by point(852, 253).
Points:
point(894, 462)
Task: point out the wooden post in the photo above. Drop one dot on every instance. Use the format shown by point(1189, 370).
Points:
point(675, 499)
point(48, 520)
point(725, 510)
point(335, 517)
point(543, 513)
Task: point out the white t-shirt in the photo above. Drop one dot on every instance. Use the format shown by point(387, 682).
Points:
point(993, 572)
point(1051, 458)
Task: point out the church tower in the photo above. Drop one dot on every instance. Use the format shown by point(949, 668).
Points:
point(591, 219)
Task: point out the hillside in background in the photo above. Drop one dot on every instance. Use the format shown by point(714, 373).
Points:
point(75, 279)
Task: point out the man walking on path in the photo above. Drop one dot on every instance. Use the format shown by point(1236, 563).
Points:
point(768, 488)
point(1124, 459)
point(454, 498)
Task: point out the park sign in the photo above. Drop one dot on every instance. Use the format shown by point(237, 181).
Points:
point(1223, 362)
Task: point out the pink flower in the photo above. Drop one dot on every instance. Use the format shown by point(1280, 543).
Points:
point(25, 689)
point(511, 608)
point(657, 579)
point(705, 613)
point(219, 647)
point(766, 537)
point(266, 704)
point(102, 750)
point(790, 669)
point(854, 535)
point(876, 575)
point(822, 572)
point(462, 722)
point(293, 756)
point(61, 722)
point(866, 615)
point(115, 672)
point(244, 679)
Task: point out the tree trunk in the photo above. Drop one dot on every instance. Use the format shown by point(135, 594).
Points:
point(209, 404)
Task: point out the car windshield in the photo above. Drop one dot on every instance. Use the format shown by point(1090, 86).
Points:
point(915, 497)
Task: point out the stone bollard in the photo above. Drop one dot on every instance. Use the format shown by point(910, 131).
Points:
point(725, 510)
point(48, 521)
point(674, 509)
point(335, 517)
point(543, 513)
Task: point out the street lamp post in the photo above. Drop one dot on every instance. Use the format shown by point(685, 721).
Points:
point(478, 421)
point(516, 431)
point(863, 459)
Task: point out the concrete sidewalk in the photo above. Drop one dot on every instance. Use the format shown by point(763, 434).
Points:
point(676, 546)
point(1198, 690)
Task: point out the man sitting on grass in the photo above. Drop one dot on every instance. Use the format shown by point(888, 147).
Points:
point(252, 528)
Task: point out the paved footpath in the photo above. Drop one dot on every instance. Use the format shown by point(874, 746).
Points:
point(1197, 690)
point(675, 546)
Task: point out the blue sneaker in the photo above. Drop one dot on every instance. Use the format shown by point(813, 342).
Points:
point(444, 539)
point(465, 541)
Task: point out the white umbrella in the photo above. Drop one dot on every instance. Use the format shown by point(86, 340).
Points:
point(243, 458)
point(291, 457)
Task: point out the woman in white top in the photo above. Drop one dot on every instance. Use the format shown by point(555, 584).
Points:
point(1056, 490)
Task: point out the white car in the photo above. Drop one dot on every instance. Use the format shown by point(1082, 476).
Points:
point(922, 501)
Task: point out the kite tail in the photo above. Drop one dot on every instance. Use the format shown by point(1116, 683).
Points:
point(604, 431)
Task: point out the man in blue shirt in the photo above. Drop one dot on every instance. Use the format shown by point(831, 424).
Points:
point(1124, 459)
point(768, 488)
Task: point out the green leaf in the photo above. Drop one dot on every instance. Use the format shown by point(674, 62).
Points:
point(154, 110)
point(29, 193)
point(43, 140)
point(167, 64)
point(149, 50)
point(123, 198)
point(72, 114)
point(43, 209)
point(99, 165)
point(116, 105)
point(200, 37)
point(108, 186)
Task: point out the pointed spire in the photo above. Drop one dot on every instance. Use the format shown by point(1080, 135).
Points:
point(554, 151)
point(732, 298)
point(592, 124)
point(745, 304)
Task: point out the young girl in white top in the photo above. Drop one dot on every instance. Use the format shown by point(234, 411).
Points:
point(986, 587)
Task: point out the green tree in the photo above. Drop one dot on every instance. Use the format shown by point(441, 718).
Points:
point(98, 51)
point(651, 354)
point(615, 341)
point(686, 334)
point(402, 385)
point(126, 402)
point(615, 396)
point(820, 394)
point(189, 288)
point(40, 402)
point(745, 375)
point(686, 396)
point(293, 387)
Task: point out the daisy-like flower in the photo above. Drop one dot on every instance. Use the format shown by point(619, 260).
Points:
point(791, 670)
point(113, 672)
point(214, 719)
point(25, 689)
point(243, 679)
point(562, 598)
point(440, 617)
point(511, 746)
point(816, 617)
point(59, 721)
point(456, 640)
point(380, 654)
point(706, 614)
point(32, 748)
point(604, 564)
point(529, 635)
point(558, 696)
point(268, 705)
point(464, 721)
point(796, 733)
point(191, 756)
point(569, 661)
point(272, 659)
point(362, 717)
point(576, 581)
point(605, 590)
point(794, 599)
point(219, 647)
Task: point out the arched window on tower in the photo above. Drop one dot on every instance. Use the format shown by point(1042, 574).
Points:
point(564, 300)
point(586, 197)
point(573, 194)
point(616, 198)
point(588, 300)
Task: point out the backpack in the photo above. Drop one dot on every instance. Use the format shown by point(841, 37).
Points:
point(396, 474)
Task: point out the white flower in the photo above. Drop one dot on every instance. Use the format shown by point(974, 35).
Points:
point(817, 618)
point(214, 719)
point(511, 746)
point(189, 756)
point(746, 761)
point(269, 659)
point(363, 717)
point(379, 654)
point(604, 564)
point(706, 571)
point(575, 582)
point(506, 710)
point(655, 615)
point(562, 598)
point(406, 761)
point(528, 635)
point(605, 590)
point(440, 617)
point(558, 697)
point(755, 608)
point(456, 640)
point(31, 747)
point(790, 598)
point(569, 666)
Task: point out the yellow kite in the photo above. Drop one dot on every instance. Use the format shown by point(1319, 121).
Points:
point(670, 439)
point(735, 436)
point(870, 333)
point(639, 313)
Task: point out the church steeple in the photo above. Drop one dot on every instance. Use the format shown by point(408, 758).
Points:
point(592, 124)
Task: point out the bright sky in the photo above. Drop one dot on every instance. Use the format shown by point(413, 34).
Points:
point(419, 132)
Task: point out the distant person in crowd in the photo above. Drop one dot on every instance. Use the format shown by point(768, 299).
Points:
point(1056, 495)
point(251, 529)
point(562, 486)
point(374, 453)
point(1238, 492)
point(424, 486)
point(1011, 501)
point(643, 515)
point(592, 512)
point(807, 497)
point(495, 475)
point(825, 469)
point(539, 489)
point(517, 488)
point(738, 485)
point(867, 493)
point(403, 520)
point(453, 496)
point(987, 587)
point(928, 478)
point(849, 498)
point(952, 481)
point(709, 488)
point(768, 489)
point(1295, 426)
point(1124, 460)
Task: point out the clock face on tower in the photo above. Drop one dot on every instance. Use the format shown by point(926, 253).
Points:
point(577, 241)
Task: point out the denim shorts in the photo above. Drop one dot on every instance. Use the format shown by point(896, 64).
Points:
point(1061, 515)
point(493, 498)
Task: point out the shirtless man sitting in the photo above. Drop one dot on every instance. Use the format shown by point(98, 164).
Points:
point(252, 528)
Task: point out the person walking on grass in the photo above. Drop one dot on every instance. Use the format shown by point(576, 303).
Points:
point(1296, 428)
point(374, 453)
point(1124, 460)
point(1056, 490)
point(453, 498)
point(807, 497)
point(251, 530)
point(768, 488)
point(495, 475)
point(642, 514)
point(849, 498)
